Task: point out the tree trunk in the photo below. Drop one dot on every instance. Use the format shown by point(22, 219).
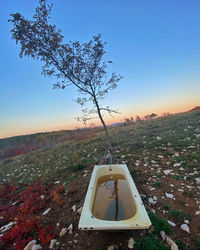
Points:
point(104, 126)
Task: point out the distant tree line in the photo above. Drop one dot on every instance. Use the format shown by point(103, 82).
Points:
point(131, 120)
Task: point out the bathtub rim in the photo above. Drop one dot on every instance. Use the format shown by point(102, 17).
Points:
point(88, 222)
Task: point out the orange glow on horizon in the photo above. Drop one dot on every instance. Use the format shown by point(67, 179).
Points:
point(72, 124)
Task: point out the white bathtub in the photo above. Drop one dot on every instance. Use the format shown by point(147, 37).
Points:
point(88, 221)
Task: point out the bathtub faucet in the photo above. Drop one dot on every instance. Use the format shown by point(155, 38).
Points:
point(109, 156)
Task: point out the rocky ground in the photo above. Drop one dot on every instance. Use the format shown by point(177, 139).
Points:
point(163, 156)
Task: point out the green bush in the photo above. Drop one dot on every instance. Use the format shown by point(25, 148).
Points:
point(197, 242)
point(160, 224)
point(180, 244)
point(179, 216)
point(151, 242)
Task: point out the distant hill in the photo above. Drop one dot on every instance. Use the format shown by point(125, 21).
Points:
point(18, 145)
point(195, 108)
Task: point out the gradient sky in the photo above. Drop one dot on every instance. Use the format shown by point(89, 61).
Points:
point(155, 45)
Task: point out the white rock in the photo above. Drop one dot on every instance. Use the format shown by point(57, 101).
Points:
point(169, 195)
point(52, 243)
point(30, 245)
point(197, 213)
point(171, 243)
point(111, 247)
point(185, 228)
point(181, 169)
point(58, 224)
point(131, 243)
point(171, 223)
point(42, 197)
point(63, 232)
point(74, 208)
point(56, 182)
point(155, 198)
point(158, 138)
point(160, 156)
point(6, 227)
point(187, 221)
point(180, 190)
point(70, 228)
point(166, 172)
point(197, 180)
point(177, 164)
point(163, 235)
point(46, 211)
point(36, 247)
point(151, 201)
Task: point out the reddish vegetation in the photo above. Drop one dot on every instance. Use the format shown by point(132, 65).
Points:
point(10, 151)
point(22, 208)
point(14, 151)
point(83, 137)
point(56, 197)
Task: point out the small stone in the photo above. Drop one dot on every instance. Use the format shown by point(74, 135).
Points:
point(80, 210)
point(7, 226)
point(151, 201)
point(159, 138)
point(181, 169)
point(52, 243)
point(169, 195)
point(171, 223)
point(155, 198)
point(70, 228)
point(187, 221)
point(30, 245)
point(163, 235)
point(197, 180)
point(131, 243)
point(74, 208)
point(171, 243)
point(56, 182)
point(176, 164)
point(42, 197)
point(166, 172)
point(197, 213)
point(112, 247)
point(180, 190)
point(185, 228)
point(46, 211)
point(58, 224)
point(63, 232)
point(36, 247)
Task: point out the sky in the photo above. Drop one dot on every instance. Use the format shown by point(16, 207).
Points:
point(154, 45)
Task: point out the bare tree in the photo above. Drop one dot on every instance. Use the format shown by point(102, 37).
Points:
point(72, 63)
